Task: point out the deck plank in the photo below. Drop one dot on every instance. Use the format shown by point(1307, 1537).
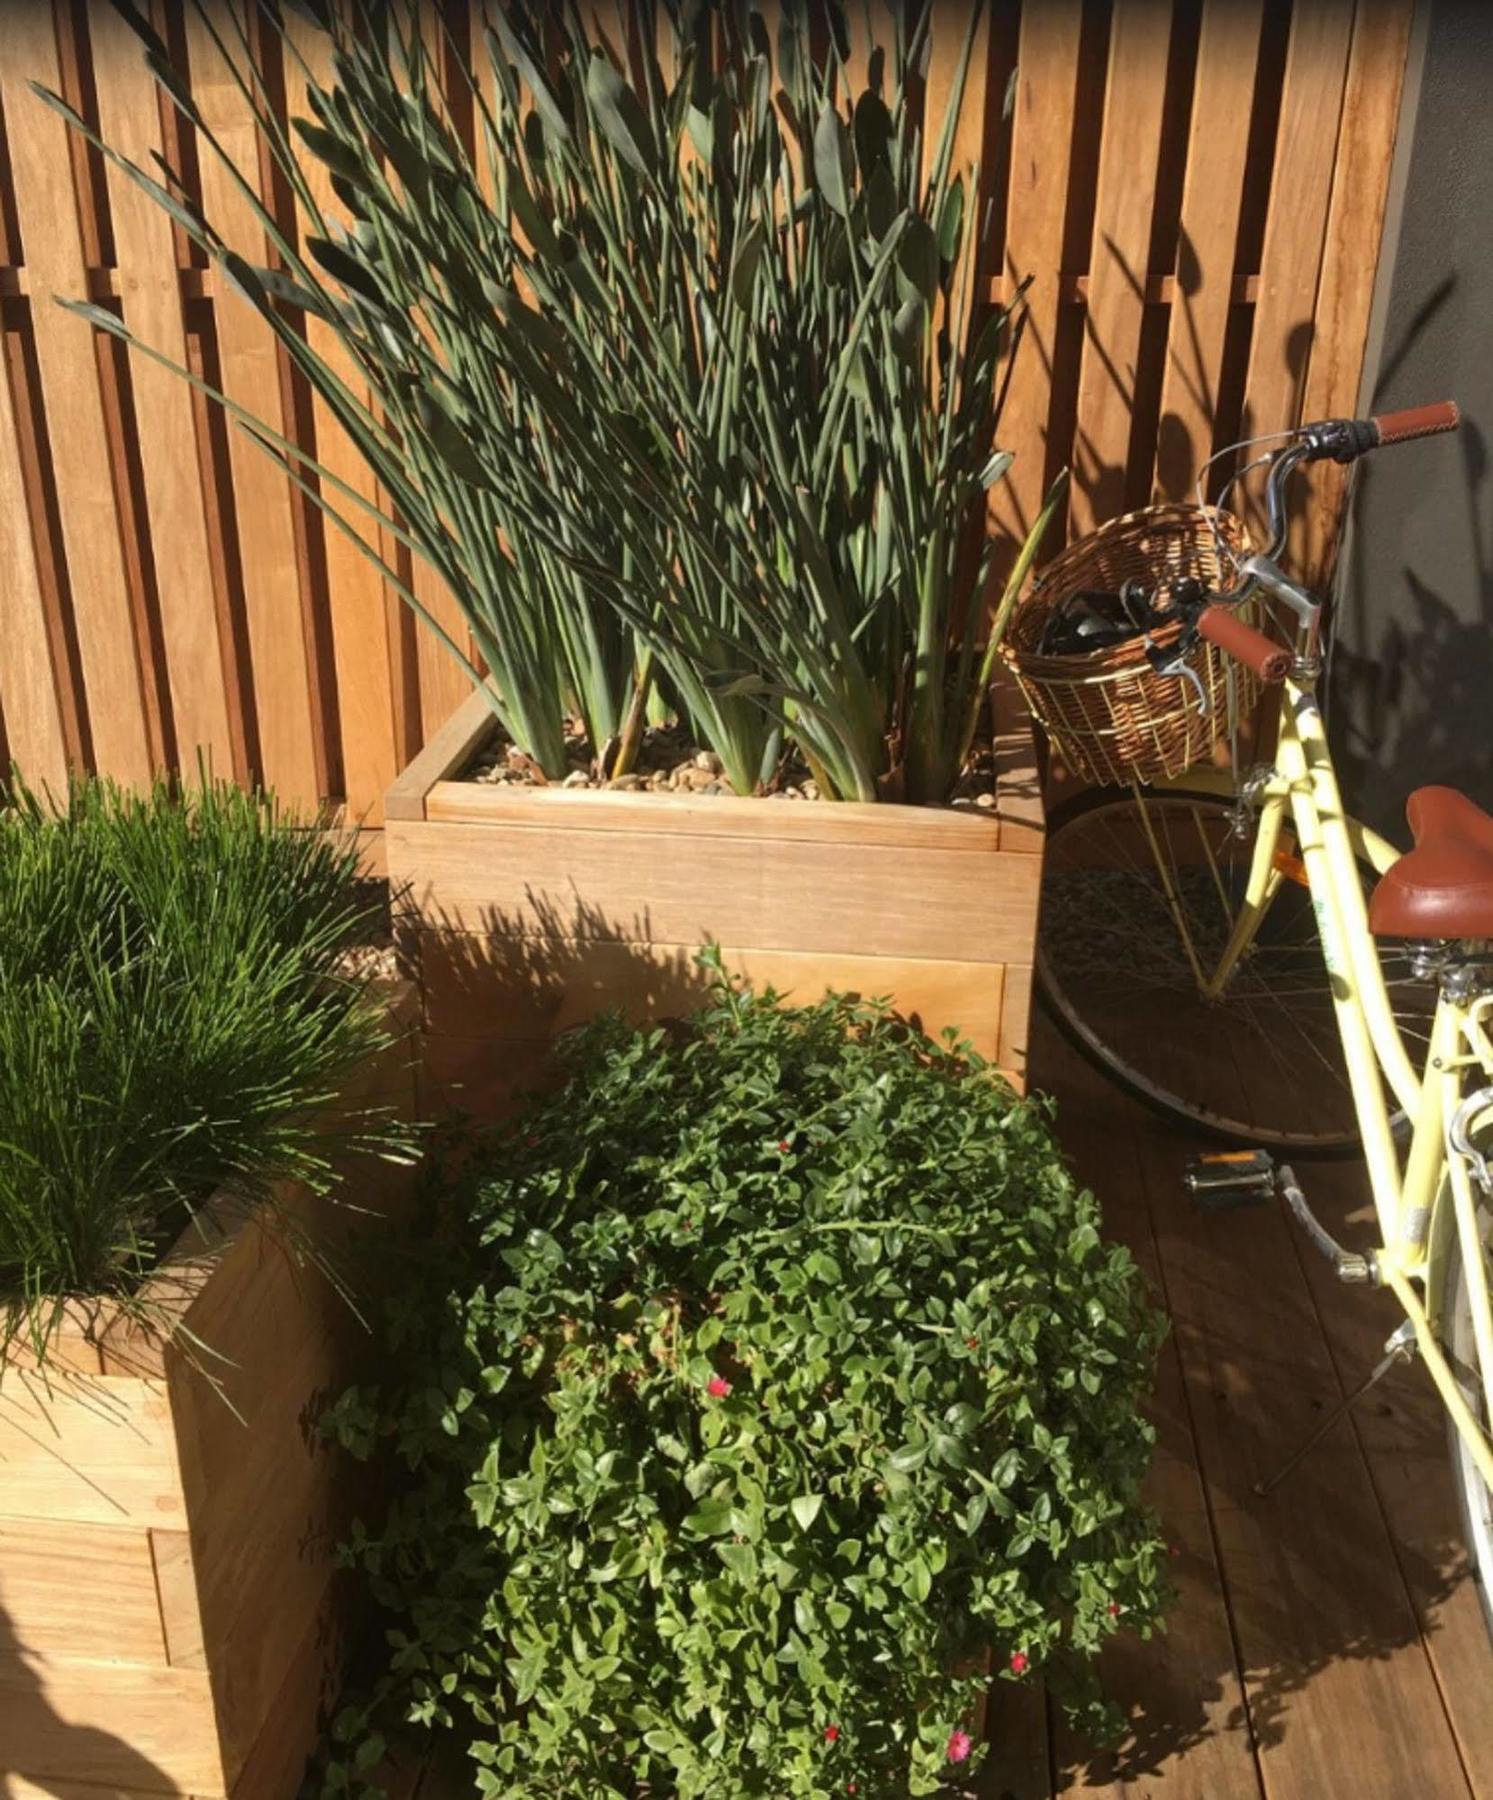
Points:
point(1401, 1430)
point(1341, 1694)
point(1187, 1732)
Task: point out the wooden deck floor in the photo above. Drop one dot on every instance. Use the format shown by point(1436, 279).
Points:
point(1326, 1643)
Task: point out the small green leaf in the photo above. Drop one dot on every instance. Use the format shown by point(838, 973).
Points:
point(806, 1508)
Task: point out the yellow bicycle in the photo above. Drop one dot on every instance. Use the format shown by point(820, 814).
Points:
point(1239, 952)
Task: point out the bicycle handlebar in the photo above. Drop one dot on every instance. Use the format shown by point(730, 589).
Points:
point(1416, 422)
point(1344, 441)
point(1269, 660)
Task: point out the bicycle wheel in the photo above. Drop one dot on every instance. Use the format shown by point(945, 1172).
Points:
point(1262, 1063)
point(1473, 1495)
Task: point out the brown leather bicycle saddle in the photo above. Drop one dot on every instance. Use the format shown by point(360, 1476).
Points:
point(1444, 887)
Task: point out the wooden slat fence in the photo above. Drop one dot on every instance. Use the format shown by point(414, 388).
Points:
point(1197, 187)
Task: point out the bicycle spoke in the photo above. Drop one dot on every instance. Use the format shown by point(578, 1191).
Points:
point(1140, 896)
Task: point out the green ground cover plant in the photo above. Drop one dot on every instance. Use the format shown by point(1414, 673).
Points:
point(757, 1386)
point(671, 362)
point(175, 1014)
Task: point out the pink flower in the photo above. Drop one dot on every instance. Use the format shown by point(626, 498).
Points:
point(784, 1145)
point(1018, 1662)
point(960, 1745)
point(717, 1387)
point(831, 1734)
point(1174, 1549)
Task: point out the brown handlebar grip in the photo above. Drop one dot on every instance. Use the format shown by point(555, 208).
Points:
point(1270, 661)
point(1417, 422)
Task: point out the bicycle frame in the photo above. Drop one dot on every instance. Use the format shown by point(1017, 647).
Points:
point(1425, 1204)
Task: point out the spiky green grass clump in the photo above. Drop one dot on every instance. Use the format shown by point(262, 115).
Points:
point(175, 1014)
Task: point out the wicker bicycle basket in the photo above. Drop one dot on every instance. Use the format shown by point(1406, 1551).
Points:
point(1110, 716)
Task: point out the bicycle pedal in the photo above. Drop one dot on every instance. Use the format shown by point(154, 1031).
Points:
point(1222, 1179)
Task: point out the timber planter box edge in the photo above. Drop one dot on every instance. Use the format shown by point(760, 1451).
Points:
point(528, 909)
point(169, 1618)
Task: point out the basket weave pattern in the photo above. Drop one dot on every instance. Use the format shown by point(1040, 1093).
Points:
point(1110, 716)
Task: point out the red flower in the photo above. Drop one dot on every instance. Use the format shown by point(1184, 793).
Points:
point(1018, 1662)
point(783, 1144)
point(1174, 1549)
point(1113, 1609)
point(972, 1343)
point(831, 1734)
point(850, 1787)
point(960, 1745)
point(717, 1387)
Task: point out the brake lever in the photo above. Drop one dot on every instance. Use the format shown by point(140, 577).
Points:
point(1187, 602)
point(1173, 661)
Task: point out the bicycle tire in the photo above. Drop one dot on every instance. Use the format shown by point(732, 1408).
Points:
point(1125, 1024)
point(1474, 1500)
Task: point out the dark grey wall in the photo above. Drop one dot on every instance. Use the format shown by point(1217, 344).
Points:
point(1412, 672)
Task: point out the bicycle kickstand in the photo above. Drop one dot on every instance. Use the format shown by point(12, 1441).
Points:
point(1398, 1348)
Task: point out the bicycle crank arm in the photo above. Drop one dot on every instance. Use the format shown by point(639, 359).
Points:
point(1360, 1268)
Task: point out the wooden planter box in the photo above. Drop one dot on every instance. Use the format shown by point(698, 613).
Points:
point(531, 908)
point(169, 1623)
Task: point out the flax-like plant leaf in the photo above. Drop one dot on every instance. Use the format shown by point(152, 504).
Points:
point(619, 114)
point(832, 163)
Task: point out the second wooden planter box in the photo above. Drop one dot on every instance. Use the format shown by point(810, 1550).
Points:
point(531, 908)
point(169, 1618)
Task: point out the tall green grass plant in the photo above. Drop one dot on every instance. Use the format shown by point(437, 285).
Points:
point(174, 1015)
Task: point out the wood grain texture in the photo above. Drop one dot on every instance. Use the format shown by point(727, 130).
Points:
point(179, 1612)
point(250, 362)
point(111, 1724)
point(1355, 220)
point(192, 610)
point(1217, 144)
point(94, 1450)
point(715, 818)
point(476, 986)
point(641, 887)
point(1139, 33)
point(68, 1589)
point(29, 698)
point(1046, 99)
point(360, 618)
point(56, 268)
point(1291, 261)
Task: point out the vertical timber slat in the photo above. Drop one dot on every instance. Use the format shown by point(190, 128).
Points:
point(1355, 221)
point(1041, 154)
point(248, 355)
point(56, 268)
point(150, 289)
point(1217, 144)
point(1131, 145)
point(28, 691)
point(1305, 147)
point(360, 634)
